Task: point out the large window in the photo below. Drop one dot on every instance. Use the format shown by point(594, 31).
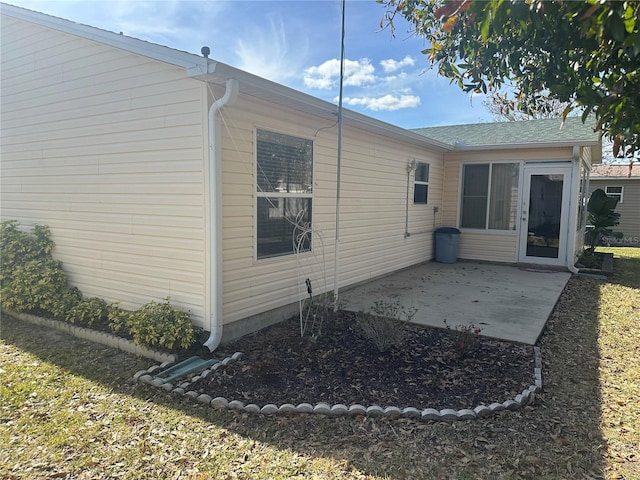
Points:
point(284, 192)
point(421, 185)
point(489, 196)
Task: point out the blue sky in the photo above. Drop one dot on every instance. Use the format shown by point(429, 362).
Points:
point(296, 43)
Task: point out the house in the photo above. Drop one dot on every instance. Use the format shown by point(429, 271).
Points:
point(622, 182)
point(517, 189)
point(164, 173)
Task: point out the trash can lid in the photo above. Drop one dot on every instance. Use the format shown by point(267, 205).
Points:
point(449, 230)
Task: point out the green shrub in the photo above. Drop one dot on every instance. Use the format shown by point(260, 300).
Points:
point(69, 299)
point(18, 247)
point(602, 217)
point(35, 287)
point(159, 324)
point(33, 282)
point(119, 318)
point(88, 312)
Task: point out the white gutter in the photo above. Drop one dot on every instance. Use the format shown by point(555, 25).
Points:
point(463, 147)
point(215, 214)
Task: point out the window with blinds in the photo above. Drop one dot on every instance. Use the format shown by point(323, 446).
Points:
point(489, 196)
point(284, 193)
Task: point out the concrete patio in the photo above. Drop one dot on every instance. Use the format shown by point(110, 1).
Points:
point(506, 302)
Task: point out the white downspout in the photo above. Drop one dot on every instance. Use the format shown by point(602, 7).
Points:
point(215, 214)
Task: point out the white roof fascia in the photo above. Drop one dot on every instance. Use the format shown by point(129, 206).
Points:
point(123, 42)
point(516, 146)
point(593, 144)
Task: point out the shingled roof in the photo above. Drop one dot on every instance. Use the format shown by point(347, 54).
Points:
point(521, 134)
point(615, 171)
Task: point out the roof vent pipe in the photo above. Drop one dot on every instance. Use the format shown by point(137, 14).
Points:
point(215, 213)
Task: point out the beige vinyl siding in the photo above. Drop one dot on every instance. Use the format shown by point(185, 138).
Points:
point(372, 213)
point(629, 209)
point(108, 149)
point(490, 247)
point(450, 197)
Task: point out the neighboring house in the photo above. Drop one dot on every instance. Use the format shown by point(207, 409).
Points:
point(622, 182)
point(163, 173)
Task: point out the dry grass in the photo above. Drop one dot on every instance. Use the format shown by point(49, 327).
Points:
point(68, 409)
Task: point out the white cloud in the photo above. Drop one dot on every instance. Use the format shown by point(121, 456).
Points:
point(326, 75)
point(391, 65)
point(394, 79)
point(272, 53)
point(387, 102)
point(323, 76)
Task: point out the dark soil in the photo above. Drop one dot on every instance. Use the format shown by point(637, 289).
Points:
point(343, 366)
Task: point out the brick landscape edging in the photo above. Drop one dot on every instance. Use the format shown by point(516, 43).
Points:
point(521, 400)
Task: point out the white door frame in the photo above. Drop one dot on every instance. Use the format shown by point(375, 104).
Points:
point(564, 169)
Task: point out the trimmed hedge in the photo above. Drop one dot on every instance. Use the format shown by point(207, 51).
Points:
point(34, 282)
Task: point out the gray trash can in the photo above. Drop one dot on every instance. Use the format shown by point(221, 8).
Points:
point(447, 239)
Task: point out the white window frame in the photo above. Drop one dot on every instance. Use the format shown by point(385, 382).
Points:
point(583, 198)
point(486, 228)
point(421, 182)
point(279, 195)
point(619, 196)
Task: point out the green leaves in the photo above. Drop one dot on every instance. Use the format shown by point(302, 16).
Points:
point(159, 324)
point(601, 209)
point(484, 28)
point(629, 19)
point(18, 247)
point(602, 216)
point(88, 312)
point(585, 53)
point(33, 282)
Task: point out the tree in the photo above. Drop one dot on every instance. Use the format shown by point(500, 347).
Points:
point(503, 107)
point(584, 53)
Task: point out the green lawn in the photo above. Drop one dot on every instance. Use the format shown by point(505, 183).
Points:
point(69, 409)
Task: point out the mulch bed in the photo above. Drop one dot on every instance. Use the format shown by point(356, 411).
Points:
point(343, 366)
